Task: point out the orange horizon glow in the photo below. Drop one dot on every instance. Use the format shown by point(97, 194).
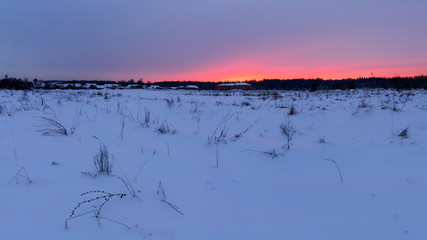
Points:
point(240, 74)
point(299, 63)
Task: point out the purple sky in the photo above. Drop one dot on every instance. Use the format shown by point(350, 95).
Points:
point(212, 40)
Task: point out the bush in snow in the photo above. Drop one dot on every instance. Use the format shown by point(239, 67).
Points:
point(220, 132)
point(164, 128)
point(288, 129)
point(322, 139)
point(219, 136)
point(103, 161)
point(292, 110)
point(147, 118)
point(169, 102)
point(404, 133)
point(53, 127)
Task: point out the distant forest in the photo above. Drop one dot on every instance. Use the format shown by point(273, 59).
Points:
point(317, 84)
point(399, 83)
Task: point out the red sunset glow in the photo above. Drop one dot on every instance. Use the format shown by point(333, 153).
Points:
point(242, 70)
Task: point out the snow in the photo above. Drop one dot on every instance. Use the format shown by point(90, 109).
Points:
point(191, 87)
point(234, 84)
point(235, 189)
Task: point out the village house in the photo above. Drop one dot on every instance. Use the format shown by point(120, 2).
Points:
point(192, 87)
point(234, 86)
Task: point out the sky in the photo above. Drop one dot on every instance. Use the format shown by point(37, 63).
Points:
point(212, 40)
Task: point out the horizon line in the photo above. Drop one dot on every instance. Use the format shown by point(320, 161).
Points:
point(230, 80)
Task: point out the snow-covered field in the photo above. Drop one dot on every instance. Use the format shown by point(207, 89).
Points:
point(222, 161)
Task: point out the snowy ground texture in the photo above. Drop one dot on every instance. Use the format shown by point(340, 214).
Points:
point(223, 163)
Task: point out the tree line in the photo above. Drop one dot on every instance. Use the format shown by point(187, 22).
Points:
point(316, 84)
point(416, 82)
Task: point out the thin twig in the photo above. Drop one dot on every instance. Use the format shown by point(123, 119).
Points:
point(161, 190)
point(76, 216)
point(237, 136)
point(167, 144)
point(19, 174)
point(173, 206)
point(127, 182)
point(224, 120)
point(14, 145)
point(272, 153)
point(140, 170)
point(97, 216)
point(338, 167)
